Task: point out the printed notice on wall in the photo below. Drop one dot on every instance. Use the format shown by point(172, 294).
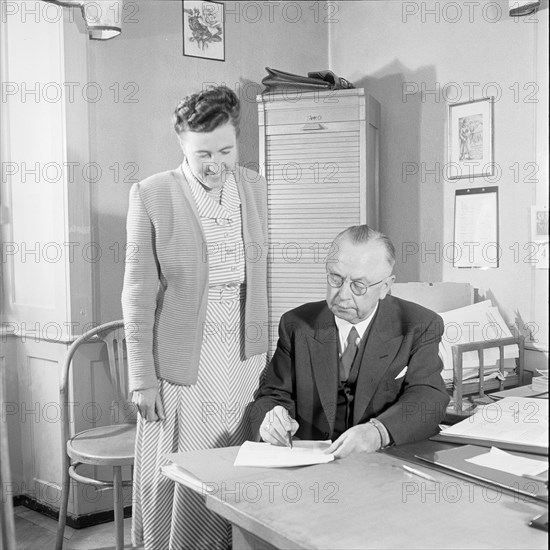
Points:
point(476, 228)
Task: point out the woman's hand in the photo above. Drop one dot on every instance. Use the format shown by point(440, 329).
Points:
point(149, 404)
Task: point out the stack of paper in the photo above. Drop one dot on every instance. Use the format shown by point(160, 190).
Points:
point(303, 453)
point(204, 468)
point(475, 323)
point(540, 383)
point(497, 467)
point(502, 461)
point(511, 423)
point(208, 470)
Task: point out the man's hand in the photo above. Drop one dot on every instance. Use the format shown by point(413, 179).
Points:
point(276, 425)
point(149, 404)
point(360, 438)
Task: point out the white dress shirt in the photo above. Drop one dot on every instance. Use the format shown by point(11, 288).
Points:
point(344, 328)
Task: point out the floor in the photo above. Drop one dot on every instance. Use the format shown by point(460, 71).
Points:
point(34, 531)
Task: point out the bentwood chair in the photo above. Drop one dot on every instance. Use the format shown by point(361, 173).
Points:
point(111, 445)
point(7, 523)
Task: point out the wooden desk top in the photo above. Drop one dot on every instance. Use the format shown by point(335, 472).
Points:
point(369, 501)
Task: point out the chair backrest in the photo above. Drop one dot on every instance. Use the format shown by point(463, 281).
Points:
point(113, 335)
point(115, 341)
point(438, 297)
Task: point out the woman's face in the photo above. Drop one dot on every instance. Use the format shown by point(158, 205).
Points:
point(211, 154)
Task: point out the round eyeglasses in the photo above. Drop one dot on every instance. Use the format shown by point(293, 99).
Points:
point(357, 287)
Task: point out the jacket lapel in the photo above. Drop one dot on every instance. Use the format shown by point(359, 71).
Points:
point(245, 206)
point(382, 345)
point(323, 351)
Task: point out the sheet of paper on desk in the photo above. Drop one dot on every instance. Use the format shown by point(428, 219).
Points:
point(196, 468)
point(302, 453)
point(520, 420)
point(176, 473)
point(506, 462)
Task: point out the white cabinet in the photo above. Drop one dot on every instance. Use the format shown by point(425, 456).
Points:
point(319, 153)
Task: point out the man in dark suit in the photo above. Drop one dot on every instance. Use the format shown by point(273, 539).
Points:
point(361, 368)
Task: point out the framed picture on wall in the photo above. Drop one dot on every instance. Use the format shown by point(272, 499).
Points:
point(539, 245)
point(470, 127)
point(539, 223)
point(203, 29)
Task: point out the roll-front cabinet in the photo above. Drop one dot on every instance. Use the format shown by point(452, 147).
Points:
point(319, 153)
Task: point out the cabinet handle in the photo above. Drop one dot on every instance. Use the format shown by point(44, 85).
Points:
point(313, 126)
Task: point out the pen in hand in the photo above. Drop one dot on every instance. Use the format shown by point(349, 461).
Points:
point(289, 435)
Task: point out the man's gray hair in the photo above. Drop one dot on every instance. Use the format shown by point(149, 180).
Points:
point(359, 234)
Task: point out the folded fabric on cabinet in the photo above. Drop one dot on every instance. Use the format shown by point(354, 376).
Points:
point(320, 80)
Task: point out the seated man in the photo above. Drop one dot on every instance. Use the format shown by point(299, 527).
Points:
point(361, 368)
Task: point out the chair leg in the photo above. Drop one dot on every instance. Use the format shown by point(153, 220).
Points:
point(65, 487)
point(118, 507)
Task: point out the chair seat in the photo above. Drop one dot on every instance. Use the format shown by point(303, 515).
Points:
point(105, 445)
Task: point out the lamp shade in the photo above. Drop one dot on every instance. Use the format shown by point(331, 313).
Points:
point(103, 17)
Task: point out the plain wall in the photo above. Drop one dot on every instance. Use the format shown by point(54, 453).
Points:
point(414, 56)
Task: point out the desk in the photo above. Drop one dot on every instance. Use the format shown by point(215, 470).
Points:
point(369, 501)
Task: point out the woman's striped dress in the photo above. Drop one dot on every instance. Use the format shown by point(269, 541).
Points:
point(211, 413)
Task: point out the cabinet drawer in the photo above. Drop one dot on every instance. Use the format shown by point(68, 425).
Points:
point(304, 107)
point(312, 115)
point(313, 128)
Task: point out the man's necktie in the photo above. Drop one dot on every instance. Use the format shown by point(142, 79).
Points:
point(346, 361)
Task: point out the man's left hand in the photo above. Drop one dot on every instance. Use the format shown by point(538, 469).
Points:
point(360, 438)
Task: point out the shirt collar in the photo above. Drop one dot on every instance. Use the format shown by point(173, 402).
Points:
point(230, 200)
point(344, 327)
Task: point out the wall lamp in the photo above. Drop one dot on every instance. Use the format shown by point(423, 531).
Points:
point(103, 17)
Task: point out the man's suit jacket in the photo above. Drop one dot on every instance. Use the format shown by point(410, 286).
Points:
point(303, 374)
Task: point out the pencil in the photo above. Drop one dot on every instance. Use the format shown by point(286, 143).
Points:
point(418, 473)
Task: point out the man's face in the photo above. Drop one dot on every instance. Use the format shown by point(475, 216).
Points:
point(358, 262)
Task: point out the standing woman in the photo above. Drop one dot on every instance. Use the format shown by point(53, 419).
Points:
point(195, 310)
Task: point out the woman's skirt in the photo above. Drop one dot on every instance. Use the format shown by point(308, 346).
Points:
point(211, 413)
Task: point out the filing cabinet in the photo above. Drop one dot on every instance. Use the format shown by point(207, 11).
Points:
point(319, 153)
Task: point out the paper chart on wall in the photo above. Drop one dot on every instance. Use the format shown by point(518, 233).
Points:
point(476, 228)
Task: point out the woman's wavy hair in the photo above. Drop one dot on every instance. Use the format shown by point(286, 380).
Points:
point(207, 110)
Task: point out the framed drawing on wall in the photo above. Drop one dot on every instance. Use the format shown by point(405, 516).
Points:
point(471, 139)
point(204, 29)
